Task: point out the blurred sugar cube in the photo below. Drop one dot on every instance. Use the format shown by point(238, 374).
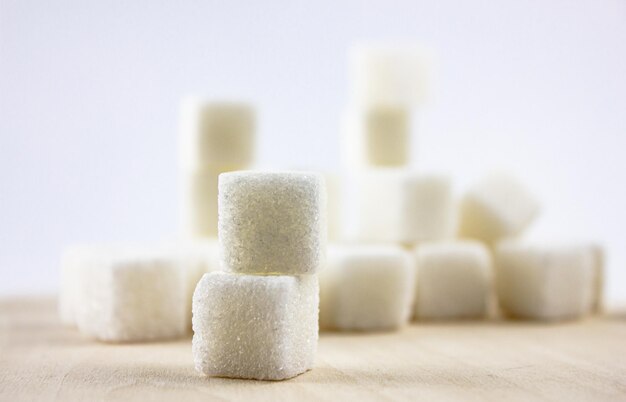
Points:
point(497, 207)
point(544, 281)
point(399, 206)
point(384, 74)
point(84, 264)
point(217, 135)
point(366, 288)
point(454, 280)
point(377, 136)
point(131, 295)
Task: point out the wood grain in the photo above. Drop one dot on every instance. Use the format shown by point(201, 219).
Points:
point(42, 360)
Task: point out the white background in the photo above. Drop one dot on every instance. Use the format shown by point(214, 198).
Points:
point(89, 94)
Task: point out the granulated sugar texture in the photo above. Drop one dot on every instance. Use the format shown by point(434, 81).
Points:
point(259, 327)
point(272, 223)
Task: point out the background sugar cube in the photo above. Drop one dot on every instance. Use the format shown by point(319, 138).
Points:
point(218, 135)
point(377, 136)
point(366, 288)
point(130, 296)
point(454, 280)
point(541, 235)
point(400, 206)
point(198, 203)
point(259, 327)
point(272, 222)
point(545, 282)
point(195, 258)
point(74, 260)
point(498, 206)
point(391, 75)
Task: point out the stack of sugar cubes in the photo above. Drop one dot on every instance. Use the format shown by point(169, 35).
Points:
point(135, 293)
point(258, 317)
point(369, 283)
point(413, 251)
point(534, 279)
point(416, 252)
point(215, 137)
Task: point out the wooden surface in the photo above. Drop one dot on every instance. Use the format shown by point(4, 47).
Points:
point(499, 361)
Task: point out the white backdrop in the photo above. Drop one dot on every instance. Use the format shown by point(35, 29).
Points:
point(89, 94)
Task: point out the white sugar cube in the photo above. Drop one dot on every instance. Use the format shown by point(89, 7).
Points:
point(403, 207)
point(391, 75)
point(218, 135)
point(272, 222)
point(377, 136)
point(131, 296)
point(498, 206)
point(366, 288)
point(198, 203)
point(258, 327)
point(545, 282)
point(454, 280)
point(74, 260)
point(194, 259)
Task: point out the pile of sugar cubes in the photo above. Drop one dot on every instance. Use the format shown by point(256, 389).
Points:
point(251, 273)
point(258, 318)
point(415, 252)
point(252, 297)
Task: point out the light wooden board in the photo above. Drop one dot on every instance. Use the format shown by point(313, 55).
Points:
point(499, 361)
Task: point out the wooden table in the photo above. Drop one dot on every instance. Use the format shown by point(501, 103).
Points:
point(499, 361)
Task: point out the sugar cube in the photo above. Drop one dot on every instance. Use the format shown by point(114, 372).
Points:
point(391, 75)
point(498, 206)
point(544, 282)
point(377, 136)
point(403, 207)
point(131, 296)
point(366, 288)
point(261, 327)
point(454, 280)
point(219, 135)
point(198, 203)
point(272, 222)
